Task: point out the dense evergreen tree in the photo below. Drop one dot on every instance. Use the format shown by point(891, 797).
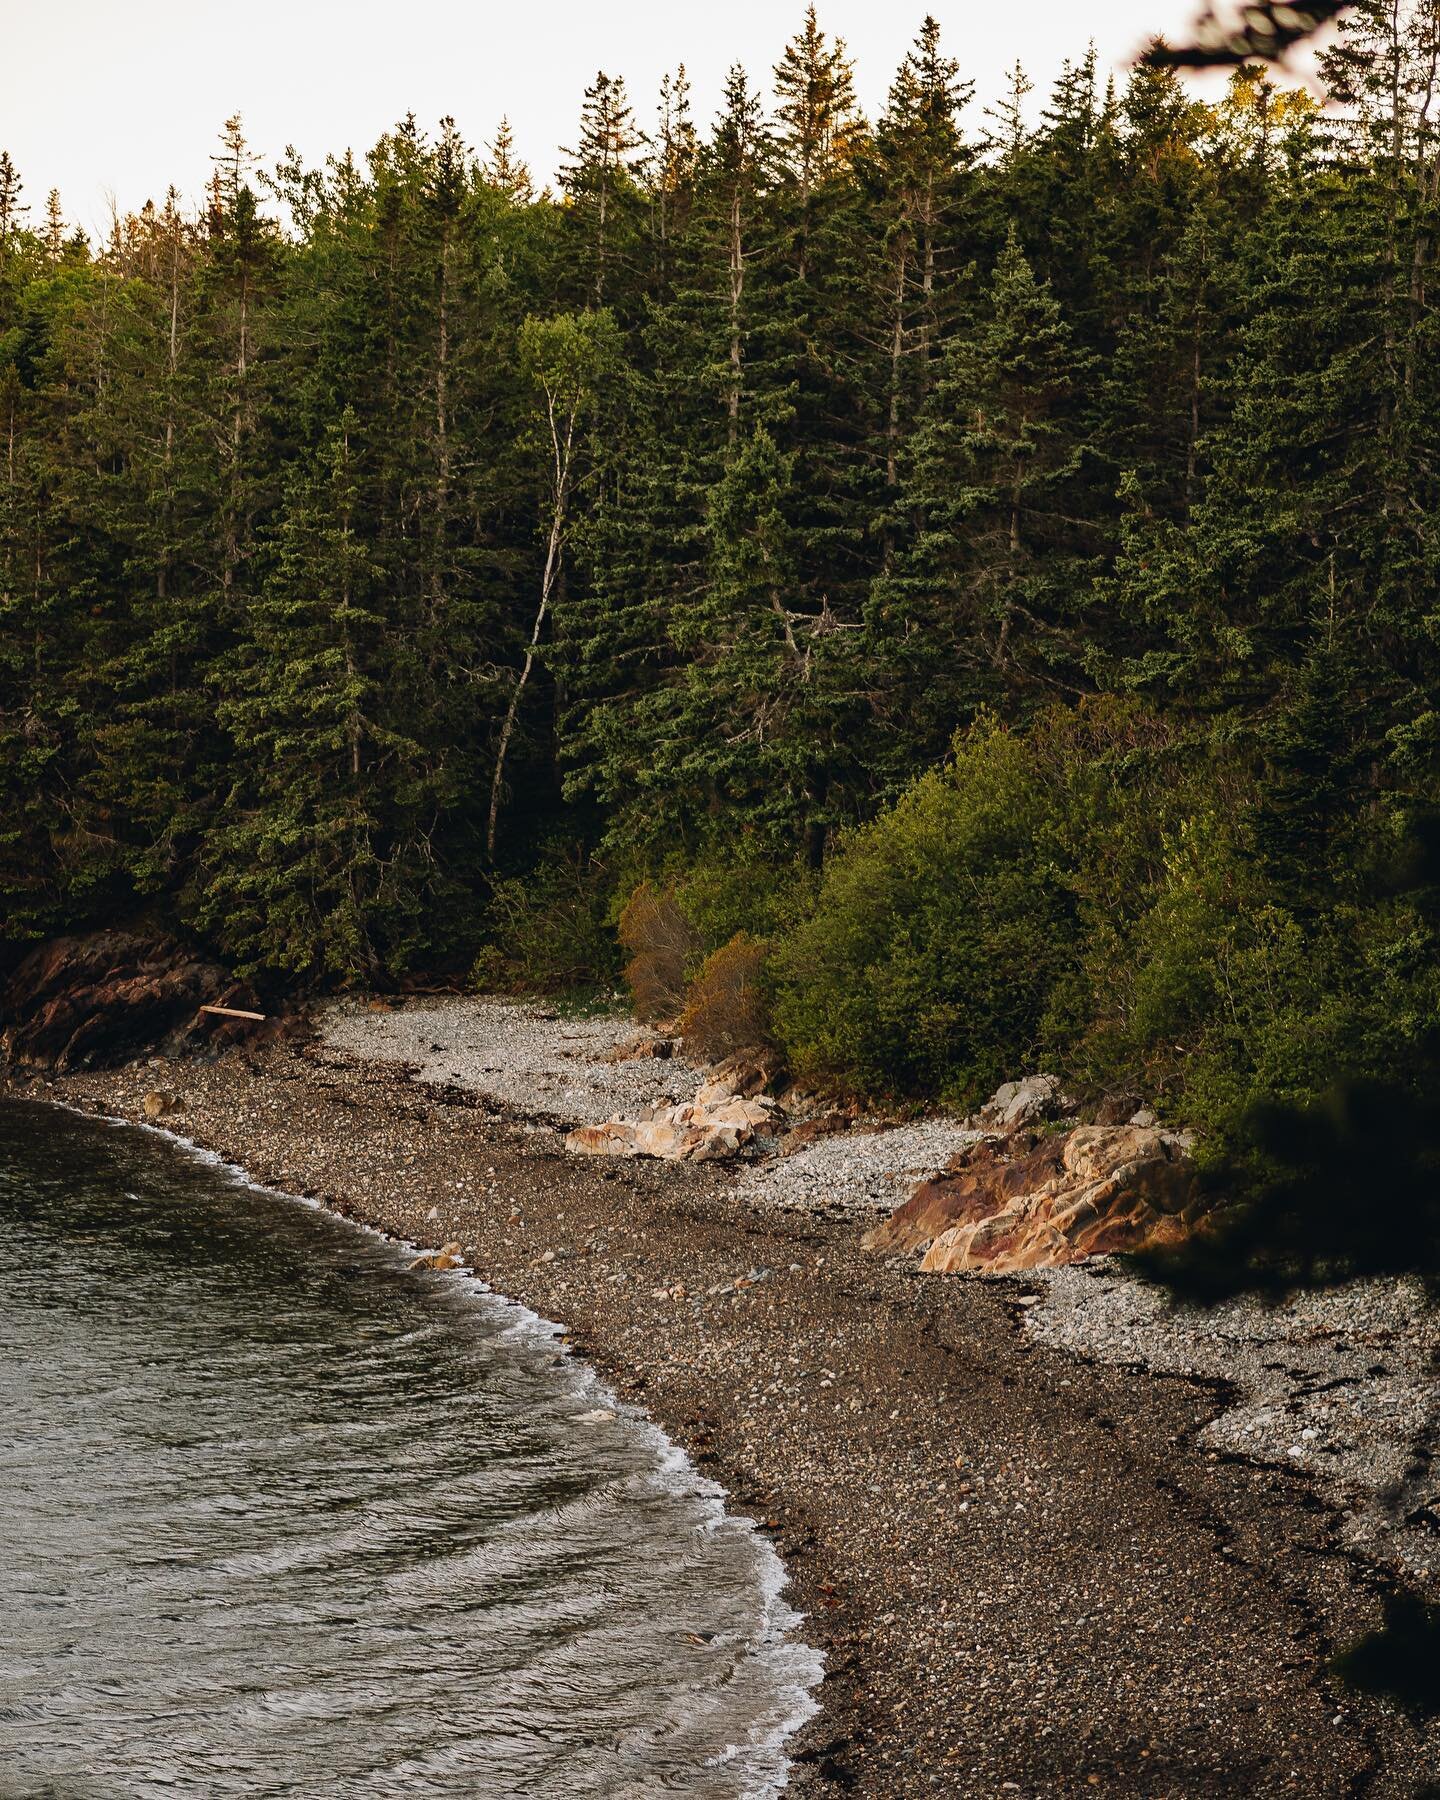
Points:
point(606, 208)
point(320, 845)
point(918, 166)
point(987, 600)
point(12, 208)
point(679, 519)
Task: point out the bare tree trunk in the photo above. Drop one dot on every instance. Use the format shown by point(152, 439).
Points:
point(167, 511)
point(1428, 182)
point(737, 289)
point(237, 438)
point(897, 356)
point(1191, 447)
point(562, 453)
point(600, 234)
point(927, 283)
point(442, 446)
point(352, 721)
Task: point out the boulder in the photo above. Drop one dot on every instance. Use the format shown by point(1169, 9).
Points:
point(448, 1256)
point(1022, 1204)
point(748, 1072)
point(109, 997)
point(1020, 1103)
point(810, 1131)
point(601, 1140)
point(980, 1181)
point(716, 1123)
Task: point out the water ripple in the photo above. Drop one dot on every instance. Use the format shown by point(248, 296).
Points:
point(278, 1516)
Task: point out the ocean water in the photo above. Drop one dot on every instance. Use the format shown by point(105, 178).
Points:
point(280, 1516)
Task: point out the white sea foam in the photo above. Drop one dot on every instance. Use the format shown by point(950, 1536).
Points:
point(793, 1669)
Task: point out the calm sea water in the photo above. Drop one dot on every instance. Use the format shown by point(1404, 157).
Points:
point(278, 1516)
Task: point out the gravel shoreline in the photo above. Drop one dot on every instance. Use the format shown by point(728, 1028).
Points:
point(1340, 1384)
point(530, 1061)
point(1029, 1570)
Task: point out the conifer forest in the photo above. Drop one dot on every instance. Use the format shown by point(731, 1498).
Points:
point(973, 573)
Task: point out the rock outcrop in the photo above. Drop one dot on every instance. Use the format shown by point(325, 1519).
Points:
point(1028, 1201)
point(718, 1122)
point(106, 998)
point(1021, 1103)
point(810, 1131)
point(448, 1256)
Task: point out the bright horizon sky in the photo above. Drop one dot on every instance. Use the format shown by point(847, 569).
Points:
point(122, 97)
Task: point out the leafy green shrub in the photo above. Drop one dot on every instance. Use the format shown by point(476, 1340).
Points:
point(550, 931)
point(749, 893)
point(1232, 996)
point(937, 936)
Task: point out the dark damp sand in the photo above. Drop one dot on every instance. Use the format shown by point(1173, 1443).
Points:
point(1025, 1575)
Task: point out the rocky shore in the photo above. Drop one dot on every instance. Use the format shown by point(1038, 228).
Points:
point(1033, 1564)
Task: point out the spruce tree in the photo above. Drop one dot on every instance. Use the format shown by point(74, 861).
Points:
point(987, 602)
point(917, 164)
point(506, 171)
point(600, 180)
point(818, 123)
point(12, 208)
point(317, 864)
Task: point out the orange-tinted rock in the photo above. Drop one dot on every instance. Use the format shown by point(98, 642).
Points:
point(448, 1256)
point(1006, 1206)
point(983, 1178)
point(747, 1072)
point(599, 1140)
point(717, 1123)
point(104, 999)
point(810, 1131)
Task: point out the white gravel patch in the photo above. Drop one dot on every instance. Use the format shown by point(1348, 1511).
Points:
point(520, 1055)
point(861, 1172)
point(1344, 1385)
point(533, 1061)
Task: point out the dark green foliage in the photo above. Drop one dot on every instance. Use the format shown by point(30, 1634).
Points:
point(688, 518)
point(1348, 1185)
point(549, 931)
point(318, 852)
point(987, 601)
point(937, 935)
point(1345, 1187)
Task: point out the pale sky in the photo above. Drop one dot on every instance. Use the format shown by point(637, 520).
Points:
point(102, 97)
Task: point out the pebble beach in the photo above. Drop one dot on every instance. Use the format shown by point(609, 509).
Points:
point(1048, 1540)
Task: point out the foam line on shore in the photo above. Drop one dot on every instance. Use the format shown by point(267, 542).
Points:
point(797, 1667)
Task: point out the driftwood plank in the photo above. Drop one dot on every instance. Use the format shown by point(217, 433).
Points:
point(232, 1012)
